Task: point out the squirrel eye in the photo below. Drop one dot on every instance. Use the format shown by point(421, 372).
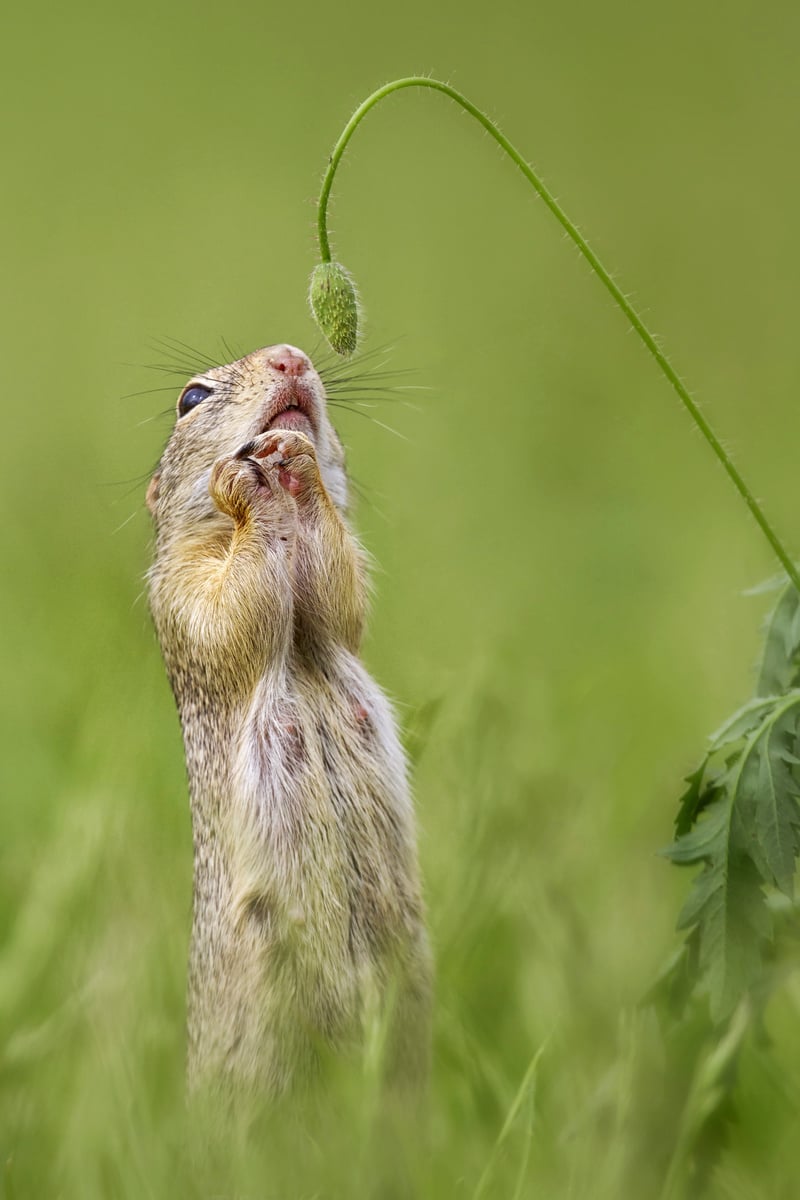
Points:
point(191, 397)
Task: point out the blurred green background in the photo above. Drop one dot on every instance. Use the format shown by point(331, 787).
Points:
point(560, 565)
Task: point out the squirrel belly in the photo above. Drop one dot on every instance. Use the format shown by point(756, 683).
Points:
point(310, 899)
point(307, 915)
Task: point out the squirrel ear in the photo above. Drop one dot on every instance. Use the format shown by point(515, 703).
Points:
point(152, 493)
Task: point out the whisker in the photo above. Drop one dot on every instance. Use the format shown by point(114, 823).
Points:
point(127, 521)
point(378, 402)
point(370, 399)
point(331, 366)
point(230, 351)
point(199, 364)
point(147, 392)
point(136, 486)
point(164, 368)
point(165, 412)
point(381, 395)
point(362, 355)
point(363, 494)
point(345, 401)
point(138, 599)
point(360, 413)
point(137, 482)
point(388, 428)
point(367, 376)
point(386, 390)
point(172, 344)
point(174, 358)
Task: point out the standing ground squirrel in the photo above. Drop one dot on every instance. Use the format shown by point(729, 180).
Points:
point(307, 909)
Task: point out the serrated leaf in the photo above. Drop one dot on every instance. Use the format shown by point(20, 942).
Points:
point(777, 813)
point(741, 821)
point(691, 801)
point(702, 842)
point(746, 833)
point(779, 667)
point(725, 905)
point(743, 721)
point(732, 963)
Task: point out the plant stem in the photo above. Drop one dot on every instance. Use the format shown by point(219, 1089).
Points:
point(591, 258)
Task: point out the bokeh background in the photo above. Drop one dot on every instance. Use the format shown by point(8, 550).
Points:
point(560, 566)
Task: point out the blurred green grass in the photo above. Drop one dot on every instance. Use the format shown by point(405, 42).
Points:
point(559, 563)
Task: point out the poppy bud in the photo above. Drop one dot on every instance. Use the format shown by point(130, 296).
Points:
point(334, 303)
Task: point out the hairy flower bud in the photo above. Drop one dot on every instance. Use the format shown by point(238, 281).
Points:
point(335, 306)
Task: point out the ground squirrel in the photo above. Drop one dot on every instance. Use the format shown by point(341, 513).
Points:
point(307, 913)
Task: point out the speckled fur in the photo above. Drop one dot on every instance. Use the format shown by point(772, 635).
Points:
point(307, 907)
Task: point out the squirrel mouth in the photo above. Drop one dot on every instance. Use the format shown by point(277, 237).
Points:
point(291, 407)
point(292, 417)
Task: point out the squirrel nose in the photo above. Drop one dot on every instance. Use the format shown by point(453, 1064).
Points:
point(288, 360)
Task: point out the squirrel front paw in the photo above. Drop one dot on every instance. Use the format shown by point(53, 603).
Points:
point(240, 485)
point(294, 459)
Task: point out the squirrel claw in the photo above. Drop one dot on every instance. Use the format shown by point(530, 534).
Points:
point(292, 453)
point(280, 445)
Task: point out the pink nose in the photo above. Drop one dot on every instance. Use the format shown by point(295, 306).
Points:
point(288, 360)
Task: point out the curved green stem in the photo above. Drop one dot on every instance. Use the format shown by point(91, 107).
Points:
point(591, 258)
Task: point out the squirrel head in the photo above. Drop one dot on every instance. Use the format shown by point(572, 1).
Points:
point(224, 407)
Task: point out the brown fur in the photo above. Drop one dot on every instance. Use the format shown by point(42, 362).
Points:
point(307, 909)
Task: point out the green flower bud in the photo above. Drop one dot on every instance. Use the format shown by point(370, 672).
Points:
point(334, 303)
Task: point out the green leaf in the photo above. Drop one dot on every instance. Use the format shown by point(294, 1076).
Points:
point(739, 819)
point(702, 842)
point(743, 721)
point(725, 906)
point(780, 668)
point(692, 800)
point(777, 813)
point(746, 836)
